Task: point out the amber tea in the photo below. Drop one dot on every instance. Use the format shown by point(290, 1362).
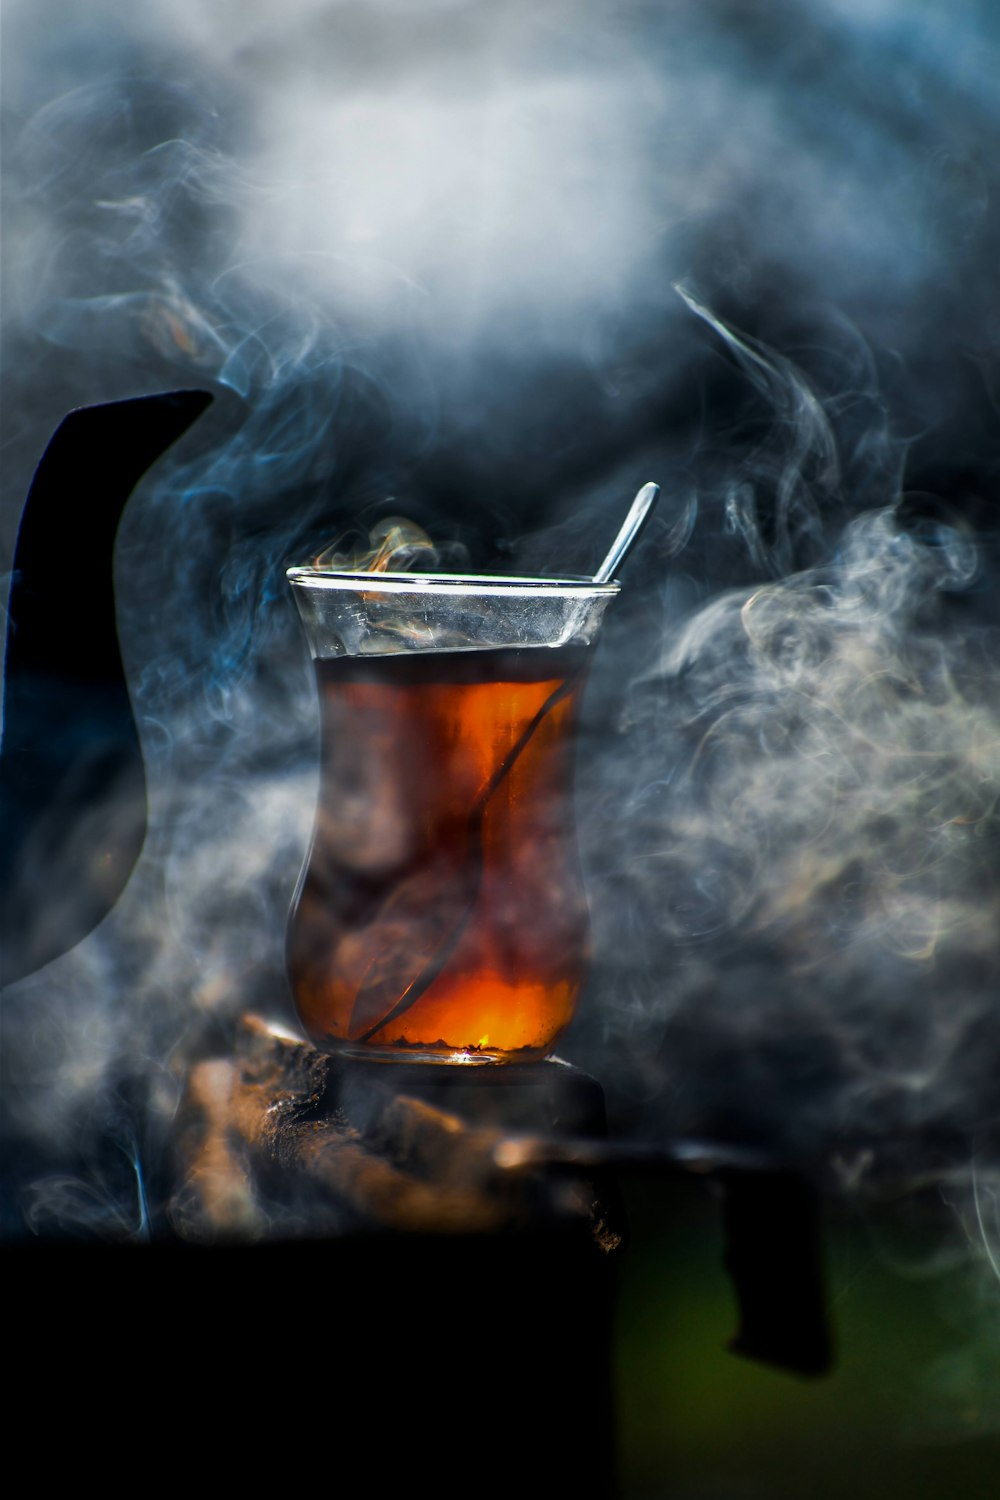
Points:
point(440, 914)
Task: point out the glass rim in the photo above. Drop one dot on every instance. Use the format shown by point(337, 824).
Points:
point(470, 583)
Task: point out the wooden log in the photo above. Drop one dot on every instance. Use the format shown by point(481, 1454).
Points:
point(284, 1139)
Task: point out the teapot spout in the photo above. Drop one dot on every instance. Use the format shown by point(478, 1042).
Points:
point(72, 785)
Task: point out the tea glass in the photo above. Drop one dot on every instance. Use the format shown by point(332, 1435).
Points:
point(440, 915)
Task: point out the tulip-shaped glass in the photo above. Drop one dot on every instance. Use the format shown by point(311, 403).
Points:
point(440, 914)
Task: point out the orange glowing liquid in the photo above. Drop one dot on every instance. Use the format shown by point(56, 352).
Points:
point(440, 912)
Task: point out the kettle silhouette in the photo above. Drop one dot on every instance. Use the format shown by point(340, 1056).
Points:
point(72, 783)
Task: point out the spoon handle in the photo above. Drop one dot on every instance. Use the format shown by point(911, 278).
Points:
point(627, 536)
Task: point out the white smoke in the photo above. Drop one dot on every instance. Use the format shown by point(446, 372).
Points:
point(429, 252)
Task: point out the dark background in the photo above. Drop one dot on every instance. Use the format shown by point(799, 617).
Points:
point(427, 262)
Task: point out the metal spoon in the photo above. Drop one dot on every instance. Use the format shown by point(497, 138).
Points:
point(629, 534)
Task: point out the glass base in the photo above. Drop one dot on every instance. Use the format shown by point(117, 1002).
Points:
point(474, 1057)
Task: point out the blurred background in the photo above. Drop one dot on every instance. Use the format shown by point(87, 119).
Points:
point(491, 268)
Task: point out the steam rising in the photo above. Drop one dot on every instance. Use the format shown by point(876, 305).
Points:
point(394, 545)
point(426, 261)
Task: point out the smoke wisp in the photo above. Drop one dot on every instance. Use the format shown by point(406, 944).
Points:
point(426, 262)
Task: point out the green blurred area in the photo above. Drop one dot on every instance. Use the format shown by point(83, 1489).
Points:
point(911, 1407)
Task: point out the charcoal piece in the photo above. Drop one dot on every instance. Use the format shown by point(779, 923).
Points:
point(284, 1139)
